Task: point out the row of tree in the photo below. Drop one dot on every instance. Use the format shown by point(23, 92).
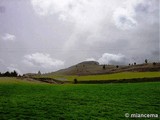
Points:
point(9, 74)
point(146, 62)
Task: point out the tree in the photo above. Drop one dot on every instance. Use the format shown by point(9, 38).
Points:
point(146, 61)
point(104, 67)
point(39, 72)
point(75, 81)
point(7, 74)
point(134, 63)
point(117, 66)
point(14, 74)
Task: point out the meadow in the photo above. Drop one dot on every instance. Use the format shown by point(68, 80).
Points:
point(115, 76)
point(32, 100)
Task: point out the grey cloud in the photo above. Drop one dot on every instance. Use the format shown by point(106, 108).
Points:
point(74, 30)
point(8, 37)
point(123, 19)
point(42, 60)
point(108, 58)
point(13, 67)
point(142, 8)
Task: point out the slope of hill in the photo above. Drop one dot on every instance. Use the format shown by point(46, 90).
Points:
point(93, 68)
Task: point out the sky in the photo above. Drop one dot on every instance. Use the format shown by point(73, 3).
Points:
point(49, 35)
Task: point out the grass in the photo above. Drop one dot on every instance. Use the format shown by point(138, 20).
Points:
point(14, 80)
point(24, 100)
point(116, 76)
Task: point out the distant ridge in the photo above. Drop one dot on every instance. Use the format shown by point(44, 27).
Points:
point(93, 68)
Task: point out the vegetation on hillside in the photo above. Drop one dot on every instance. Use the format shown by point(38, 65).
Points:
point(94, 68)
point(104, 77)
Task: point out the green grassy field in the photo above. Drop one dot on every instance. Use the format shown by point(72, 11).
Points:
point(116, 76)
point(29, 100)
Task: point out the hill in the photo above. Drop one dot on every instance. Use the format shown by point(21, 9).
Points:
point(94, 68)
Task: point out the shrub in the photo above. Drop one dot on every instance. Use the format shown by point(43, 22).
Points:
point(104, 67)
point(75, 81)
point(154, 63)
